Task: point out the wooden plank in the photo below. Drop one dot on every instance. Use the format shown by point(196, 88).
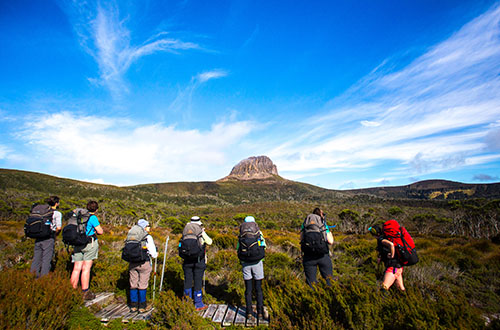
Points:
point(108, 311)
point(100, 298)
point(220, 313)
point(264, 321)
point(252, 320)
point(119, 312)
point(143, 316)
point(240, 316)
point(230, 315)
point(124, 312)
point(209, 313)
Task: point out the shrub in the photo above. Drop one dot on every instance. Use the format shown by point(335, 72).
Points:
point(225, 241)
point(394, 211)
point(44, 303)
point(175, 313)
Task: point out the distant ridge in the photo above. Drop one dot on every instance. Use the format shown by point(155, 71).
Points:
point(234, 191)
point(434, 189)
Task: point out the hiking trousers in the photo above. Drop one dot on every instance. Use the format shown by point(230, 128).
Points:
point(139, 275)
point(193, 274)
point(311, 264)
point(42, 256)
point(258, 295)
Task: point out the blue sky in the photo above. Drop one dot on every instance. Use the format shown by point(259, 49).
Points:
point(339, 94)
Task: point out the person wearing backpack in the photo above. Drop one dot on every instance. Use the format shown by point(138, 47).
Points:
point(387, 254)
point(315, 238)
point(140, 271)
point(84, 255)
point(192, 250)
point(251, 250)
point(44, 247)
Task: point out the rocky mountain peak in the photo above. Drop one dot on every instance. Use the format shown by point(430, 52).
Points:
point(260, 167)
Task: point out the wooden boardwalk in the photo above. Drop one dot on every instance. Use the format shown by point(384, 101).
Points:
point(227, 315)
point(116, 310)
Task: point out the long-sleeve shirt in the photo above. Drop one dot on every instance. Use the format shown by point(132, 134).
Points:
point(150, 244)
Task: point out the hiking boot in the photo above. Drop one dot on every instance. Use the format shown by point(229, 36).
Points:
point(88, 295)
point(142, 307)
point(198, 301)
point(133, 307)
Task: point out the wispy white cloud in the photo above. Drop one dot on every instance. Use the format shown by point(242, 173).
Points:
point(208, 75)
point(104, 34)
point(104, 147)
point(437, 113)
point(183, 100)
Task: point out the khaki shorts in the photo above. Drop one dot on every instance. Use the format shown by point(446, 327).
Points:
point(89, 252)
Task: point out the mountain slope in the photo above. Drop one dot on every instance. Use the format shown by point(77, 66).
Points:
point(434, 189)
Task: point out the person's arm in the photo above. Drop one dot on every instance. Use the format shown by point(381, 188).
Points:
point(206, 239)
point(94, 222)
point(391, 246)
point(329, 238)
point(150, 244)
point(99, 230)
point(262, 240)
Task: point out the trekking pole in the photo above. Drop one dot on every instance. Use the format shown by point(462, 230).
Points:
point(154, 280)
point(164, 258)
point(204, 272)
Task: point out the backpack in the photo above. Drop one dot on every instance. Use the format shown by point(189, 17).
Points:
point(406, 253)
point(314, 236)
point(75, 232)
point(135, 249)
point(190, 245)
point(38, 224)
point(250, 248)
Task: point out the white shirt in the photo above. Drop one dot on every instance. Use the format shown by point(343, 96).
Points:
point(150, 244)
point(56, 221)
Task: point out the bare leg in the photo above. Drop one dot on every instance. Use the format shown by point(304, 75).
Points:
point(389, 279)
point(399, 282)
point(87, 265)
point(75, 275)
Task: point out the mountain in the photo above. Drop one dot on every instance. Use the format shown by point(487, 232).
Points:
point(434, 189)
point(253, 168)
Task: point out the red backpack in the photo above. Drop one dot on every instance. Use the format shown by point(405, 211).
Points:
point(403, 243)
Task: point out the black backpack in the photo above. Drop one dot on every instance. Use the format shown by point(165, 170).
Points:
point(314, 236)
point(38, 224)
point(75, 232)
point(249, 247)
point(190, 245)
point(135, 249)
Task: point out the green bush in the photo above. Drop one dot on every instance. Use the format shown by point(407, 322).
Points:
point(175, 313)
point(44, 303)
point(225, 241)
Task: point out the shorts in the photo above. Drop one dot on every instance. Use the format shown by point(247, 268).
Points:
point(396, 271)
point(89, 252)
point(255, 271)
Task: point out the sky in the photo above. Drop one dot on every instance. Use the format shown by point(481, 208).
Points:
point(339, 94)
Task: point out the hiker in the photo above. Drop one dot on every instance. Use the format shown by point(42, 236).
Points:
point(192, 250)
point(251, 250)
point(84, 255)
point(140, 271)
point(315, 238)
point(387, 254)
point(44, 247)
